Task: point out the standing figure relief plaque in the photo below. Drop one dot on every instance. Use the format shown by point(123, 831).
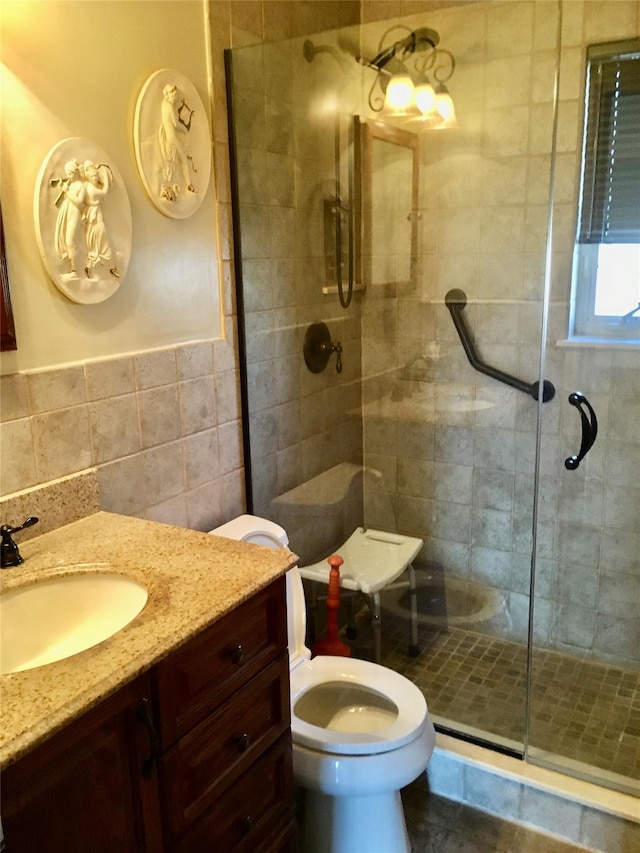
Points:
point(172, 143)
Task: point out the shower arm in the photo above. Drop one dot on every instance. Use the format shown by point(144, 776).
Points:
point(455, 300)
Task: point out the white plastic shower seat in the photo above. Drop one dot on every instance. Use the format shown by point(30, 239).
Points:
point(374, 559)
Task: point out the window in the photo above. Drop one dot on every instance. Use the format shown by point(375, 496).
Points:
point(606, 283)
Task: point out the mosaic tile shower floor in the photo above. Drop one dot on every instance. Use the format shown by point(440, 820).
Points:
point(586, 711)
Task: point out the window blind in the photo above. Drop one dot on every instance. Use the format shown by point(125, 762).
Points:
point(610, 204)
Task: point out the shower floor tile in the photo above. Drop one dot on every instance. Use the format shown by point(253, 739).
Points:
point(587, 712)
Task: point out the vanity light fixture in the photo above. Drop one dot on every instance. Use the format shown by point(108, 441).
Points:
point(403, 86)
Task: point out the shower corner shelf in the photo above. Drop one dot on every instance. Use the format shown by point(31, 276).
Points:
point(330, 289)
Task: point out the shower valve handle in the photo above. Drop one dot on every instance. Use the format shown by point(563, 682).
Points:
point(337, 348)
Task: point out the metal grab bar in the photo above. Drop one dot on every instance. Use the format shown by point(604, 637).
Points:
point(455, 300)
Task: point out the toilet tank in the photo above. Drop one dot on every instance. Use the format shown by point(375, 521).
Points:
point(261, 531)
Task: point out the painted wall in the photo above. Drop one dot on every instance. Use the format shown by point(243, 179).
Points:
point(152, 400)
point(75, 69)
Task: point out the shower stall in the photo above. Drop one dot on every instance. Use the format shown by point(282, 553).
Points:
point(444, 400)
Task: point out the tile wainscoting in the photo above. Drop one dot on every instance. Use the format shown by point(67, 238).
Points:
point(162, 429)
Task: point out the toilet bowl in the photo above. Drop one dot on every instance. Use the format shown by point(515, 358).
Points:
point(360, 731)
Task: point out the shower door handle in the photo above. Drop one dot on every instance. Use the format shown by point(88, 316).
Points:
point(589, 429)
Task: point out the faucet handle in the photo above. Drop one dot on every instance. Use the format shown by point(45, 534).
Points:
point(9, 554)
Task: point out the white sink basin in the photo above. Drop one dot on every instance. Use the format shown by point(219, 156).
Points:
point(44, 622)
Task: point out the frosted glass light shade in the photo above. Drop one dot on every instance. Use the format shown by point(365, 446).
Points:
point(425, 98)
point(444, 104)
point(400, 96)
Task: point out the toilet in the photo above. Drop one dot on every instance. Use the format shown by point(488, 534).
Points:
point(360, 731)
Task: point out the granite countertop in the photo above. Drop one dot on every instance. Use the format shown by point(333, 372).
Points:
point(192, 579)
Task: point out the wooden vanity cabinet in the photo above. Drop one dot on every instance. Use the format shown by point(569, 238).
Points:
point(213, 773)
point(225, 773)
point(83, 788)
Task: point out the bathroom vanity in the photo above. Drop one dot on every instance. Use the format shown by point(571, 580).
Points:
point(172, 735)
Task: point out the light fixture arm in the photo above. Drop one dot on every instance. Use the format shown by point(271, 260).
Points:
point(440, 72)
point(415, 42)
point(376, 102)
point(440, 64)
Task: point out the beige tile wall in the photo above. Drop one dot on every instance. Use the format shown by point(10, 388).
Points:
point(464, 480)
point(302, 424)
point(162, 429)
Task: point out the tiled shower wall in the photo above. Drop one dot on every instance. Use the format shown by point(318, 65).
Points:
point(463, 480)
point(302, 424)
point(305, 428)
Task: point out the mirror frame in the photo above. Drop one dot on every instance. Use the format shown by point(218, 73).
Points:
point(7, 328)
point(366, 132)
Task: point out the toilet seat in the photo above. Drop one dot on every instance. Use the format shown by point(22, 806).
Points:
point(409, 719)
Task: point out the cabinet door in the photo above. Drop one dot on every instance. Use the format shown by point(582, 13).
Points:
point(84, 789)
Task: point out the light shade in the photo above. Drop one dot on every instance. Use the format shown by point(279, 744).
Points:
point(399, 98)
point(425, 98)
point(444, 104)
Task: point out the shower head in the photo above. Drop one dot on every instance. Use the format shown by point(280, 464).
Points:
point(311, 50)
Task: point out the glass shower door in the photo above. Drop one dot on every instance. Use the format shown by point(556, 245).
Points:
point(409, 438)
point(454, 437)
point(585, 674)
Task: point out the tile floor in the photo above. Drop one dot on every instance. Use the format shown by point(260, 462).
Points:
point(581, 710)
point(438, 825)
point(584, 711)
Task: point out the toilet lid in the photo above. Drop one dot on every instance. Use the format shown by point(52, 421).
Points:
point(393, 717)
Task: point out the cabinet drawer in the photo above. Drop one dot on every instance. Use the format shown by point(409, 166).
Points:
point(249, 810)
point(208, 669)
point(283, 839)
point(198, 768)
